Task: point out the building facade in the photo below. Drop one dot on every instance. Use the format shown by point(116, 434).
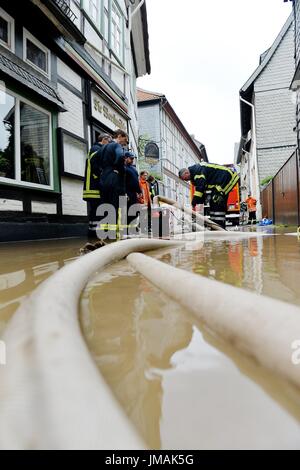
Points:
point(295, 86)
point(267, 107)
point(161, 128)
point(68, 72)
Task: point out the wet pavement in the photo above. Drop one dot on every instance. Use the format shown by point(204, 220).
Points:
point(182, 387)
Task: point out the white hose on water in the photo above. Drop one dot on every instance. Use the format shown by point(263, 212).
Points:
point(258, 326)
point(200, 218)
point(52, 395)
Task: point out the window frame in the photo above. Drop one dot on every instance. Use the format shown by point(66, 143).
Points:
point(106, 39)
point(17, 181)
point(61, 133)
point(100, 25)
point(11, 22)
point(120, 57)
point(37, 43)
point(98, 22)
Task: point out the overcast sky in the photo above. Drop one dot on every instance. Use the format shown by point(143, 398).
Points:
point(202, 52)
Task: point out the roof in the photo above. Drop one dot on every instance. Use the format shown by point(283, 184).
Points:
point(15, 68)
point(246, 91)
point(144, 95)
point(267, 55)
point(201, 148)
point(140, 39)
point(146, 37)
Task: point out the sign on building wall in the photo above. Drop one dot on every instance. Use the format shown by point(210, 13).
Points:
point(106, 114)
point(151, 151)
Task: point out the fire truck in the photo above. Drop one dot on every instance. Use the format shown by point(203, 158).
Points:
point(233, 202)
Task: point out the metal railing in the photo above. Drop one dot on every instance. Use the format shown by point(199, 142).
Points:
point(64, 6)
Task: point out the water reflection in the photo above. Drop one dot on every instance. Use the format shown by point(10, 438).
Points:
point(181, 387)
point(265, 265)
point(133, 331)
point(25, 265)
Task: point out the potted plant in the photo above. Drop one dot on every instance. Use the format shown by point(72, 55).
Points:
point(4, 166)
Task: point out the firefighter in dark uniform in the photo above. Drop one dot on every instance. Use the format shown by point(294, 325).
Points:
point(112, 186)
point(217, 178)
point(153, 185)
point(91, 189)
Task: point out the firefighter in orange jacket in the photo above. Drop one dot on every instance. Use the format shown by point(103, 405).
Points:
point(251, 204)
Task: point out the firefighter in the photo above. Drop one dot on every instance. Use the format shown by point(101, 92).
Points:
point(251, 205)
point(112, 187)
point(146, 221)
point(91, 191)
point(219, 179)
point(153, 185)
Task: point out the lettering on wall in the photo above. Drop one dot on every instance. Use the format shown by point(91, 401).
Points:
point(105, 113)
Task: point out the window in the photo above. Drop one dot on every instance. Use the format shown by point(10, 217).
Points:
point(94, 11)
point(25, 143)
point(117, 32)
point(74, 154)
point(37, 55)
point(7, 31)
point(7, 137)
point(106, 20)
point(4, 31)
point(34, 133)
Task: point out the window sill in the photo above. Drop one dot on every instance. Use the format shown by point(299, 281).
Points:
point(8, 183)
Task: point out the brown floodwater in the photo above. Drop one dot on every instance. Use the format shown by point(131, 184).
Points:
point(180, 386)
point(23, 266)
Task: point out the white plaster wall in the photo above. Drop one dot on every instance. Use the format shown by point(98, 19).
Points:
point(11, 205)
point(72, 120)
point(72, 197)
point(43, 207)
point(65, 72)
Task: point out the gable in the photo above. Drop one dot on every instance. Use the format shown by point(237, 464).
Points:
point(279, 71)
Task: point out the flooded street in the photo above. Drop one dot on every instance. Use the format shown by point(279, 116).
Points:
point(267, 265)
point(24, 266)
point(182, 387)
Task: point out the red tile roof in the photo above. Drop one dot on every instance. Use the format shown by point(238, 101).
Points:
point(143, 95)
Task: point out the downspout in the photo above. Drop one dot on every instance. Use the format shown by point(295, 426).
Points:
point(259, 212)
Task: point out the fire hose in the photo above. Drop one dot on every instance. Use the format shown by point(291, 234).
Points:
point(199, 218)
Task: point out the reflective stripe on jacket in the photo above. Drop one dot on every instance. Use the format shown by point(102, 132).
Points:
point(206, 176)
point(92, 174)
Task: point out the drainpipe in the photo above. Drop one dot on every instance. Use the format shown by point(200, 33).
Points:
point(259, 211)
